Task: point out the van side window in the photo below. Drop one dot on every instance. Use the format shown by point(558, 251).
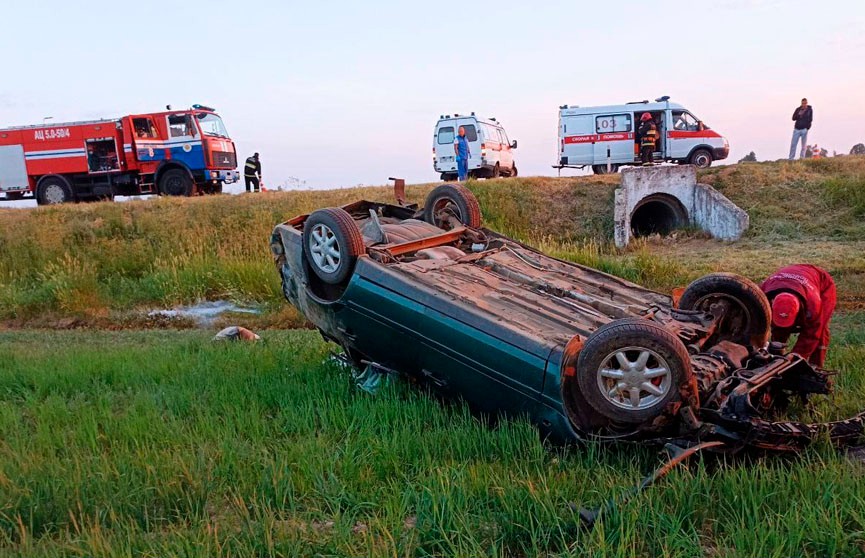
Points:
point(613, 123)
point(490, 134)
point(446, 135)
point(471, 132)
point(685, 121)
point(504, 136)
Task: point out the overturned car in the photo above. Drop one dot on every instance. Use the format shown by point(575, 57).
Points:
point(430, 293)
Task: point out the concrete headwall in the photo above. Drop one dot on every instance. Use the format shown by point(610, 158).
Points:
point(706, 208)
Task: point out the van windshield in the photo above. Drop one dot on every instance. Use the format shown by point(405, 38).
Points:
point(446, 135)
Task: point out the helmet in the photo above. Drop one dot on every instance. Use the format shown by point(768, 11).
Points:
point(646, 116)
point(785, 308)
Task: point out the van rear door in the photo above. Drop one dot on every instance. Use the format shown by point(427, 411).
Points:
point(471, 126)
point(577, 133)
point(444, 146)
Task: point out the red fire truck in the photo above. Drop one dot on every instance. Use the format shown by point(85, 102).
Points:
point(175, 153)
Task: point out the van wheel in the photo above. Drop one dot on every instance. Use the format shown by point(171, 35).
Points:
point(54, 190)
point(175, 182)
point(452, 201)
point(513, 171)
point(332, 242)
point(602, 169)
point(747, 315)
point(496, 172)
point(701, 159)
point(629, 370)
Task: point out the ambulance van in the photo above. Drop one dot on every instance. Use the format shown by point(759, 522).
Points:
point(605, 138)
point(492, 152)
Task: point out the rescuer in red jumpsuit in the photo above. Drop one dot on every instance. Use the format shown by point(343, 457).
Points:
point(803, 299)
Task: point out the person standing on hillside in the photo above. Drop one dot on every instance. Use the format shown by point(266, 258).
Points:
point(252, 173)
point(803, 300)
point(462, 152)
point(648, 134)
point(802, 116)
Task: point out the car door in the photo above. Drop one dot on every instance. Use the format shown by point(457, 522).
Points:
point(683, 134)
point(614, 138)
point(507, 156)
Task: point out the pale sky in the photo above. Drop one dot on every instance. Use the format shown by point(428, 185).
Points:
point(346, 93)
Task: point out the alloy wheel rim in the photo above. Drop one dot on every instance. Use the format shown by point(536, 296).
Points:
point(634, 378)
point(325, 249)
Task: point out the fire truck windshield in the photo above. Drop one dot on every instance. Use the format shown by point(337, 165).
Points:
point(211, 125)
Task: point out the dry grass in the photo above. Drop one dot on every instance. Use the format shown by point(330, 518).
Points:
point(99, 264)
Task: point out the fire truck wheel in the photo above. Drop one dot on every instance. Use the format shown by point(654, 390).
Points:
point(53, 190)
point(175, 182)
point(701, 159)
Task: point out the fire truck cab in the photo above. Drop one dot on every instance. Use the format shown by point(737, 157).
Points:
point(605, 137)
point(176, 153)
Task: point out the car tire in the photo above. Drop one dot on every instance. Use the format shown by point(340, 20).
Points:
point(175, 182)
point(602, 169)
point(452, 200)
point(513, 171)
point(446, 177)
point(629, 370)
point(750, 317)
point(701, 158)
point(496, 172)
point(54, 190)
point(332, 242)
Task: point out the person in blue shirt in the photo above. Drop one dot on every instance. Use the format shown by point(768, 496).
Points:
point(463, 152)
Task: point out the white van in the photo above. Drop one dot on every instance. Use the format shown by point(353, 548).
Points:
point(491, 151)
point(596, 136)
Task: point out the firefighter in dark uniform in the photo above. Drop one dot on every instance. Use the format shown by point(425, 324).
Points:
point(648, 134)
point(252, 173)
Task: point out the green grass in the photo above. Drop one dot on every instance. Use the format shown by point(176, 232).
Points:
point(165, 444)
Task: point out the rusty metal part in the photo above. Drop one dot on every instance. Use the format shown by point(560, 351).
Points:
point(411, 246)
point(398, 190)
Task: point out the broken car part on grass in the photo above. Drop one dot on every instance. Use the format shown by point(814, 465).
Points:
point(430, 293)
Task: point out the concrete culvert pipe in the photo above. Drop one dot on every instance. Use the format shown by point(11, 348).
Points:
point(658, 213)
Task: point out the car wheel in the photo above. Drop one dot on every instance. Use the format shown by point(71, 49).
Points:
point(53, 190)
point(701, 159)
point(513, 171)
point(331, 244)
point(629, 370)
point(602, 169)
point(747, 314)
point(452, 201)
point(175, 182)
point(496, 172)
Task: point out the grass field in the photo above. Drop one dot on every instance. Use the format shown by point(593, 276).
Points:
point(120, 442)
point(165, 444)
point(93, 265)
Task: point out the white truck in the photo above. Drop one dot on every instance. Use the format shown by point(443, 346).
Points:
point(491, 150)
point(605, 137)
